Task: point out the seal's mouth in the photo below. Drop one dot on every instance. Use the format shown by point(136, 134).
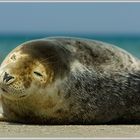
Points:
point(11, 95)
point(4, 90)
point(6, 93)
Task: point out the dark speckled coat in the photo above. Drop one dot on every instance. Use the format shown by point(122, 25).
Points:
point(106, 87)
point(100, 82)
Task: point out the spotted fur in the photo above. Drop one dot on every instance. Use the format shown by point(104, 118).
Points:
point(83, 82)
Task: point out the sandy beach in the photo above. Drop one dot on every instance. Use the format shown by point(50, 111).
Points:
point(92, 131)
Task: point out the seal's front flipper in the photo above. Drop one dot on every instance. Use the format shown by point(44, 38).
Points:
point(2, 118)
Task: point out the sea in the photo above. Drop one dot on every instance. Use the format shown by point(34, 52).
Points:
point(130, 43)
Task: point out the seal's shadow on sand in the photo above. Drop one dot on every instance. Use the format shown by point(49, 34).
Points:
point(115, 122)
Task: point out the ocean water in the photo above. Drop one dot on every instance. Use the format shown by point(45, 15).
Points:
point(128, 42)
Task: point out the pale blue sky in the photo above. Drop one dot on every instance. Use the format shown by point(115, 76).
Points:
point(70, 17)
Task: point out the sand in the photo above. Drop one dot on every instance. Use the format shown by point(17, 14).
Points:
point(94, 131)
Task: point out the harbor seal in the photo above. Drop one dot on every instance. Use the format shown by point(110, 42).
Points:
point(63, 80)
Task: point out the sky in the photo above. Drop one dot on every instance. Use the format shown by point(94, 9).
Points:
point(100, 18)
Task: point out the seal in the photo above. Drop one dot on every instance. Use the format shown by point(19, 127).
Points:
point(64, 80)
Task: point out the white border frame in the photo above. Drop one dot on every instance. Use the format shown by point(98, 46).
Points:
point(69, 1)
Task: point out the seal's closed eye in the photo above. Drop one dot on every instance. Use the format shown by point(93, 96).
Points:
point(37, 73)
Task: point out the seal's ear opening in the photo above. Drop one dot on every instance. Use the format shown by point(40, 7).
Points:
point(13, 57)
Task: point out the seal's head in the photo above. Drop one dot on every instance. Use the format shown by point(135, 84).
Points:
point(30, 68)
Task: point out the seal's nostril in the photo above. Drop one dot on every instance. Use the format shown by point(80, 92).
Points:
point(7, 77)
